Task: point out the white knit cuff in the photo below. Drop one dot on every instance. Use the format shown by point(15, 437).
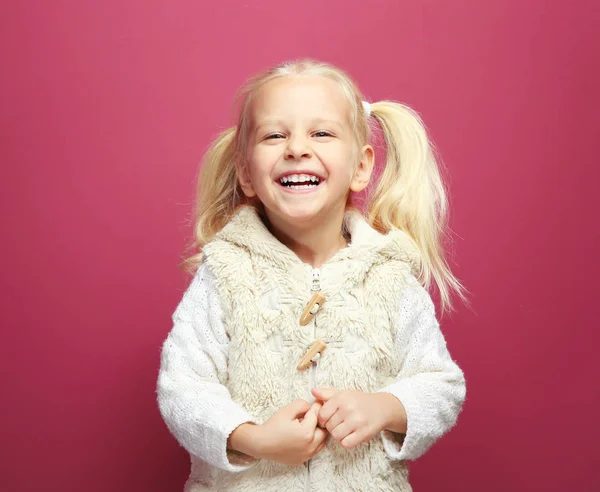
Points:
point(399, 446)
point(229, 460)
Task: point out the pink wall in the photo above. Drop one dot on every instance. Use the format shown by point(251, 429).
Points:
point(106, 109)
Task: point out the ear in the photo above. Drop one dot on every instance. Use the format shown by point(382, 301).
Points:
point(243, 177)
point(362, 174)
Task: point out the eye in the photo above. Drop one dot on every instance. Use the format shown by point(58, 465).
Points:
point(322, 134)
point(274, 136)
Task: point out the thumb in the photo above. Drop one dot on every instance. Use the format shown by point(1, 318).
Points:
point(310, 419)
point(324, 394)
point(296, 409)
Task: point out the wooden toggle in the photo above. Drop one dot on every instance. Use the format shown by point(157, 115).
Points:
point(316, 349)
point(311, 308)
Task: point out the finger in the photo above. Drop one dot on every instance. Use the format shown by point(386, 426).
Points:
point(323, 394)
point(296, 409)
point(326, 412)
point(352, 440)
point(335, 420)
point(320, 436)
point(317, 406)
point(320, 448)
point(341, 431)
point(310, 418)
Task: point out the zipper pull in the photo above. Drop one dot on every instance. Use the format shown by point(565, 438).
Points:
point(316, 280)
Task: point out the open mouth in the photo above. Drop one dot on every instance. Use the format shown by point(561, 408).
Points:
point(300, 181)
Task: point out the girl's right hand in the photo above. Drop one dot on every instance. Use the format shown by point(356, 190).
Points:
point(290, 437)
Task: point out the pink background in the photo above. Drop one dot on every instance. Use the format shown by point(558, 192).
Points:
point(106, 110)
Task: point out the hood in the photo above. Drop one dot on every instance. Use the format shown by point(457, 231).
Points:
point(366, 247)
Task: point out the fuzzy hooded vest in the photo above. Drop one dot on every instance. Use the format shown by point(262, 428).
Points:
point(264, 288)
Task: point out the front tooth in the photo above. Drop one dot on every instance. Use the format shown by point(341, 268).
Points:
point(295, 178)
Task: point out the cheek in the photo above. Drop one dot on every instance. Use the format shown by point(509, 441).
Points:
point(254, 172)
point(345, 156)
point(344, 162)
point(263, 153)
point(260, 164)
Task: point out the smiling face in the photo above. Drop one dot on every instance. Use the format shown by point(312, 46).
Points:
point(302, 156)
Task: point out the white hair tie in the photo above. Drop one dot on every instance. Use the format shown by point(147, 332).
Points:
point(367, 108)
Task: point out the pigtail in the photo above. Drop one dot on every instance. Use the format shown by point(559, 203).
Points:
point(410, 195)
point(218, 194)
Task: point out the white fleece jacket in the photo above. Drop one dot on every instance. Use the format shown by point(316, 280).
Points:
point(196, 401)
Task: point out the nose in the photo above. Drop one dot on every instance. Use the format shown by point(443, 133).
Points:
point(297, 148)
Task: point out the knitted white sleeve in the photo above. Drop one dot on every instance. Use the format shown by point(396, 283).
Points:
point(430, 384)
point(192, 398)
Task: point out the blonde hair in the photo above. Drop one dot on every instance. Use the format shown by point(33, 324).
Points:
point(410, 195)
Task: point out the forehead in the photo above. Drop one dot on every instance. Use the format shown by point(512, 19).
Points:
point(302, 97)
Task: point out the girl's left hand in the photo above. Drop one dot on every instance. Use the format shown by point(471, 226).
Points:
point(353, 417)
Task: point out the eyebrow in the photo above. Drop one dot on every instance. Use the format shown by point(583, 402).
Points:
point(268, 123)
point(316, 121)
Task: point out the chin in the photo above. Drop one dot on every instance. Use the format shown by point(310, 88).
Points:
point(298, 216)
point(301, 215)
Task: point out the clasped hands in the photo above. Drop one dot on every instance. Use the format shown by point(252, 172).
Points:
point(297, 432)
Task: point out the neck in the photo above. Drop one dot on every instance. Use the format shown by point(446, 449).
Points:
point(315, 242)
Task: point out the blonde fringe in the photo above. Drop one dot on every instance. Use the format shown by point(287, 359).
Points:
point(409, 196)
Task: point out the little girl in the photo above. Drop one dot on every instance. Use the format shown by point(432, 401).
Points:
point(305, 355)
